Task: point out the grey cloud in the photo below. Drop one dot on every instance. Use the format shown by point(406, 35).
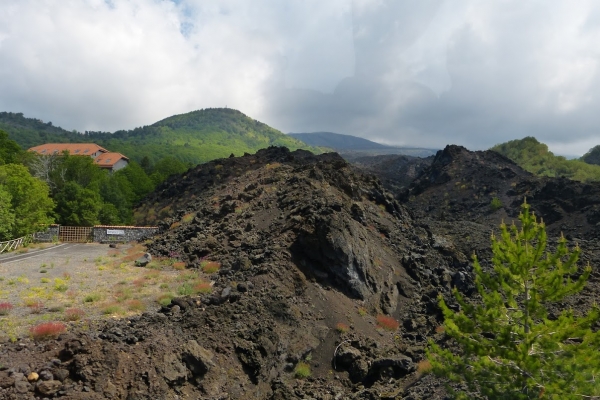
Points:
point(411, 72)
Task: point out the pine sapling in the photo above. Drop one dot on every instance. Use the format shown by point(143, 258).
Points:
point(505, 345)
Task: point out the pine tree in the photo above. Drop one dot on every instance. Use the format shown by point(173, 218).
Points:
point(509, 346)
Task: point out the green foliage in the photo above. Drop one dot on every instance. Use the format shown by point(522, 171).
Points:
point(30, 202)
point(302, 370)
point(139, 182)
point(510, 347)
point(78, 206)
point(7, 215)
point(10, 152)
point(535, 157)
point(592, 156)
point(495, 204)
point(166, 167)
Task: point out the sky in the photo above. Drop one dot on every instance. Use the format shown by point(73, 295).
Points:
point(420, 73)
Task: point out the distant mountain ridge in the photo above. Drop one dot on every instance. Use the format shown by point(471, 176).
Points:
point(337, 141)
point(352, 147)
point(195, 137)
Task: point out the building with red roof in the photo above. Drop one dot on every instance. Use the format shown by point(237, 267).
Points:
point(102, 157)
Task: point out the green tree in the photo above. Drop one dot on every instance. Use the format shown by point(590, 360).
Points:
point(109, 215)
point(78, 206)
point(140, 182)
point(7, 215)
point(10, 151)
point(509, 346)
point(166, 167)
point(29, 198)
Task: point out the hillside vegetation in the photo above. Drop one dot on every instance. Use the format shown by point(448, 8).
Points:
point(194, 137)
point(535, 157)
point(592, 156)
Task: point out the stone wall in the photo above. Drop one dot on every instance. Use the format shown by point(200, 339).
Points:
point(108, 234)
point(103, 233)
point(49, 235)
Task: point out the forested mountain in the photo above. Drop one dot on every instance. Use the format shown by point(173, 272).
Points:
point(194, 137)
point(535, 157)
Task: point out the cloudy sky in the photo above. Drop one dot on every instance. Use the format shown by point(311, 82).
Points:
point(405, 72)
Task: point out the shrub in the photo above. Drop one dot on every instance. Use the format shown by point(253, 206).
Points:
point(495, 204)
point(74, 314)
point(188, 217)
point(112, 309)
point(342, 327)
point(5, 308)
point(302, 370)
point(179, 266)
point(135, 305)
point(164, 299)
point(139, 283)
point(47, 330)
point(424, 367)
point(34, 305)
point(186, 289)
point(60, 285)
point(202, 287)
point(210, 267)
point(92, 297)
point(122, 294)
point(362, 311)
point(387, 323)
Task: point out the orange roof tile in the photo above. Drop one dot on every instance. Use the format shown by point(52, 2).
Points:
point(107, 160)
point(73, 148)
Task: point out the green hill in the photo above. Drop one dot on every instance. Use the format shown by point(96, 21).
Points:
point(592, 156)
point(535, 157)
point(194, 137)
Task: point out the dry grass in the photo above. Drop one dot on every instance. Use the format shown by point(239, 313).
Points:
point(47, 330)
point(179, 266)
point(74, 314)
point(424, 367)
point(387, 323)
point(210, 267)
point(92, 284)
point(5, 308)
point(342, 327)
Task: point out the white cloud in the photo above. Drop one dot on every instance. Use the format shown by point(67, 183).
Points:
point(415, 72)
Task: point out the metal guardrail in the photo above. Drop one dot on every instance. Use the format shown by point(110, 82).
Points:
point(14, 244)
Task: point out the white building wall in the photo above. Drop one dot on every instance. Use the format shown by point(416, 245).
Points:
point(120, 164)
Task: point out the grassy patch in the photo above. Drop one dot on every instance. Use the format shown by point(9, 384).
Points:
point(210, 267)
point(302, 370)
point(202, 287)
point(92, 298)
point(165, 299)
point(113, 309)
point(74, 314)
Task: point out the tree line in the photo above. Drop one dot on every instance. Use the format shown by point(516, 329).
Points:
point(535, 157)
point(38, 190)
